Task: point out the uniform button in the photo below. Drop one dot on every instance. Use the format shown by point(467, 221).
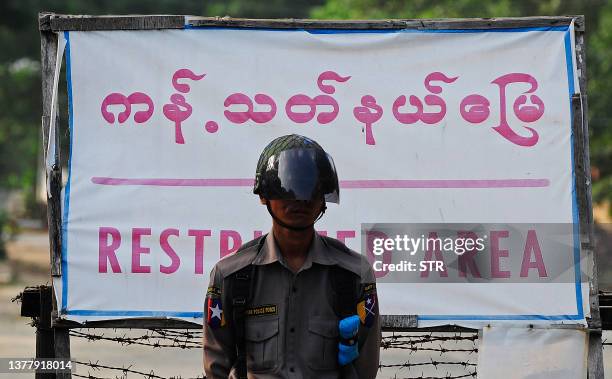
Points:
point(292, 369)
point(292, 330)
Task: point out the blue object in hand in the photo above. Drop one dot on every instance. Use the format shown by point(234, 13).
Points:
point(347, 347)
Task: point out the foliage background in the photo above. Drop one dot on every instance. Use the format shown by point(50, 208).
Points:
point(20, 99)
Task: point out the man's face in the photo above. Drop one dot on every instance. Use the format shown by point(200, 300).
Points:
point(296, 213)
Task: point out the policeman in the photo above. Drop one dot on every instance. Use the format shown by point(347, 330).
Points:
point(274, 308)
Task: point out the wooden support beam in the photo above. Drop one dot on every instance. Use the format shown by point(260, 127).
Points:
point(605, 310)
point(48, 51)
point(59, 22)
point(582, 170)
point(51, 341)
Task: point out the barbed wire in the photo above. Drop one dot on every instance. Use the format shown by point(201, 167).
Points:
point(196, 333)
point(425, 342)
point(151, 374)
point(192, 339)
point(439, 349)
point(447, 376)
point(124, 370)
point(414, 342)
point(155, 339)
point(397, 339)
point(432, 362)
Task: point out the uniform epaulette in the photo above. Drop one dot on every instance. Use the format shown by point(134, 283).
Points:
point(241, 257)
point(346, 257)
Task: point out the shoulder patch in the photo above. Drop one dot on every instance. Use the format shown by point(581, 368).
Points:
point(367, 309)
point(215, 317)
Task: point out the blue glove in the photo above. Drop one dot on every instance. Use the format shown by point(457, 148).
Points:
point(347, 347)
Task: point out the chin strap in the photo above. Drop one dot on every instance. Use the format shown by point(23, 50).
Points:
point(284, 225)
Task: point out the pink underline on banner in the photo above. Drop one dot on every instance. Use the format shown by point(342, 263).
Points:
point(446, 183)
point(353, 184)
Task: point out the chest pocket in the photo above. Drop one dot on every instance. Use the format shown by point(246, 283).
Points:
point(261, 337)
point(322, 344)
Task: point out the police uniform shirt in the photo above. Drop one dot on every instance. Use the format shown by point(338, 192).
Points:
point(291, 329)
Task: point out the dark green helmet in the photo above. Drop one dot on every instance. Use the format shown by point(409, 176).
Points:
point(294, 167)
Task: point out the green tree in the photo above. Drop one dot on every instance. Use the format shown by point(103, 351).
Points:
point(599, 64)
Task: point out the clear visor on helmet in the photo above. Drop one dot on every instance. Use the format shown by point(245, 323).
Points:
point(300, 174)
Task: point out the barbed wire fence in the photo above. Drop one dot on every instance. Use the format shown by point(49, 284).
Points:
point(404, 355)
point(418, 355)
point(432, 355)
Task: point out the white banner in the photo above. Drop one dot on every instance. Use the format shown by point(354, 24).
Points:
point(463, 126)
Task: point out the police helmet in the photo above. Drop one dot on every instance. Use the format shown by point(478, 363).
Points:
point(295, 167)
